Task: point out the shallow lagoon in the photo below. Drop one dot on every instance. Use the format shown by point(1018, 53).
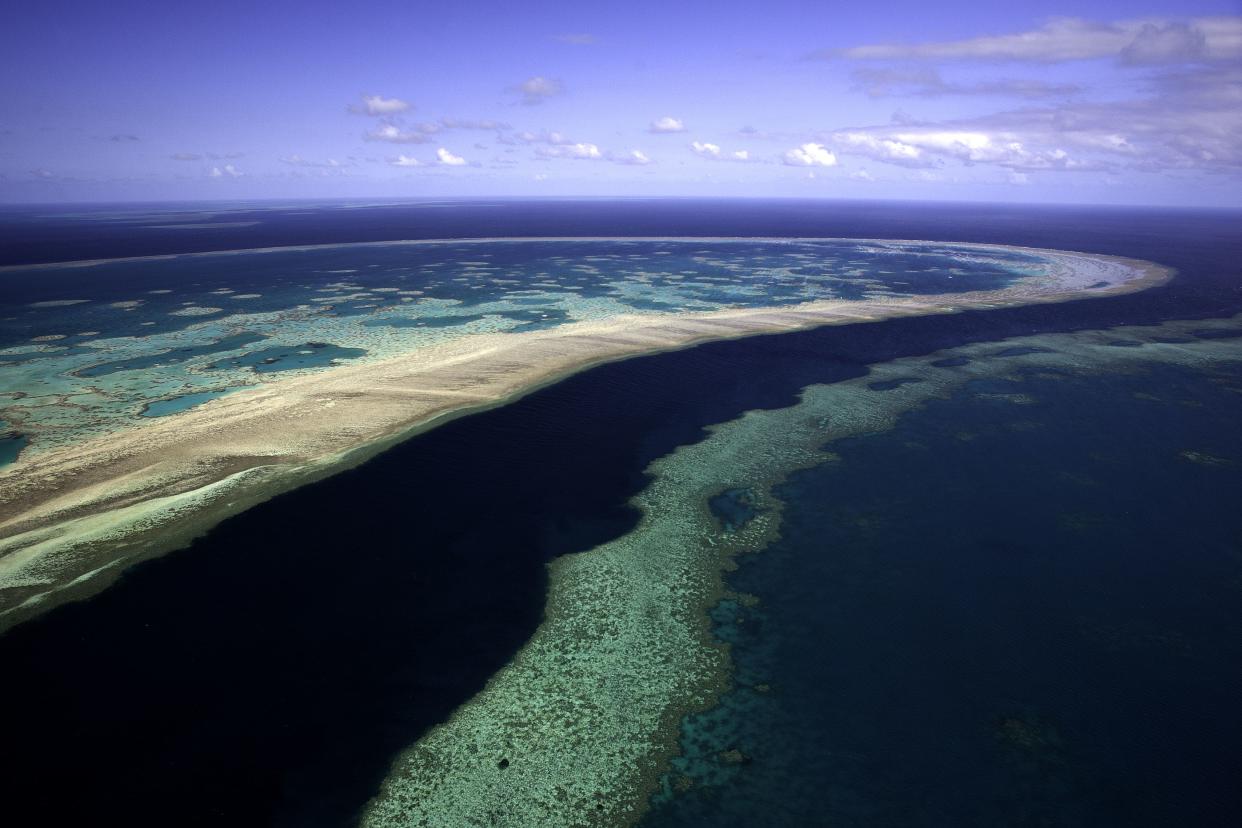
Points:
point(89, 347)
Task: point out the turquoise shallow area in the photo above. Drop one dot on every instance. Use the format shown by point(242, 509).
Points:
point(89, 347)
point(11, 444)
point(173, 357)
point(184, 402)
point(306, 355)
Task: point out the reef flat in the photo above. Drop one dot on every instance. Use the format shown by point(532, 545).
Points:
point(332, 381)
point(576, 730)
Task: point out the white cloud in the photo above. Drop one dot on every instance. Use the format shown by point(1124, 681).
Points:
point(927, 146)
point(227, 171)
point(565, 150)
point(424, 132)
point(810, 155)
point(545, 137)
point(714, 152)
point(1147, 40)
point(667, 124)
point(538, 89)
point(705, 149)
point(394, 134)
point(880, 148)
point(1187, 120)
point(862, 175)
point(379, 106)
point(449, 159)
point(405, 161)
point(635, 157)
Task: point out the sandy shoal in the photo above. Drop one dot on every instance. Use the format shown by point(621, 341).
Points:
point(72, 518)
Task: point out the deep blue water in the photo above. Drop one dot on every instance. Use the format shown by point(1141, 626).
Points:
point(995, 614)
point(268, 674)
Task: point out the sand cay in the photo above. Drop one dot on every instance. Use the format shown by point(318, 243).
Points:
point(72, 518)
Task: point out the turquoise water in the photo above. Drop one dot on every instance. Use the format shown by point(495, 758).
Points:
point(162, 408)
point(11, 444)
point(164, 359)
point(89, 347)
point(306, 355)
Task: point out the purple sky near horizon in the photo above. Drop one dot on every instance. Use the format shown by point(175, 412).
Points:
point(1136, 102)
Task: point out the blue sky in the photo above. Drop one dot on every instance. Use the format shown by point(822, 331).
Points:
point(1134, 102)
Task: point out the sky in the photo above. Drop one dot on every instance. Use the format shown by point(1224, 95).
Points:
point(1136, 102)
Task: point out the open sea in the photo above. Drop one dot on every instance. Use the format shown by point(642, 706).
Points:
point(1017, 602)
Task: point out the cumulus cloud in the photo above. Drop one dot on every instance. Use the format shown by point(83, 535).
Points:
point(449, 159)
point(576, 38)
point(394, 134)
point(379, 106)
point(810, 155)
point(543, 137)
point(880, 146)
point(538, 89)
point(405, 161)
point(705, 149)
point(928, 146)
point(667, 124)
point(585, 151)
point(862, 175)
point(1169, 43)
point(1149, 40)
point(636, 158)
point(715, 153)
point(227, 171)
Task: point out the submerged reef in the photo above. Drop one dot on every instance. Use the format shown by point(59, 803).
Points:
point(258, 402)
point(82, 357)
point(578, 728)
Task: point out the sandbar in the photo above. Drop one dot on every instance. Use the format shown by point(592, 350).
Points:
point(72, 518)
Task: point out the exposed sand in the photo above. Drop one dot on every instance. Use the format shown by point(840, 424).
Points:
point(72, 518)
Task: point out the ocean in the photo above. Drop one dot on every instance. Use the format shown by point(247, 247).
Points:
point(1015, 603)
